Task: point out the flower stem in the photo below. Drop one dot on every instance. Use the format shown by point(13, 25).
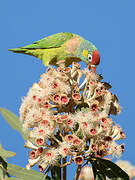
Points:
point(64, 169)
point(77, 172)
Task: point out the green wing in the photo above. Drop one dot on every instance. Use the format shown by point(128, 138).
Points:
point(53, 41)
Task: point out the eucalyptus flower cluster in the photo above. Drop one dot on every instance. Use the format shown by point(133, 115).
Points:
point(68, 115)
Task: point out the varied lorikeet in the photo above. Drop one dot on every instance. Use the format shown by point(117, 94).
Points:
point(63, 46)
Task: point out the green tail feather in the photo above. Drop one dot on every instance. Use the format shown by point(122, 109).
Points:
point(33, 52)
point(25, 51)
point(18, 50)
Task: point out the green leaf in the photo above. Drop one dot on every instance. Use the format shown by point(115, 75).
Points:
point(1, 173)
point(98, 174)
point(23, 173)
point(3, 169)
point(5, 154)
point(83, 107)
point(47, 178)
point(56, 172)
point(3, 163)
point(13, 121)
point(103, 167)
point(13, 178)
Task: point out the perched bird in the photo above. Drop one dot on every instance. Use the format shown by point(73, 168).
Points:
point(63, 46)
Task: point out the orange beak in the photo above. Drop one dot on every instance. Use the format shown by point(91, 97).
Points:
point(93, 69)
point(88, 67)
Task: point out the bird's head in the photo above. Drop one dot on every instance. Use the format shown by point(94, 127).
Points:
point(90, 55)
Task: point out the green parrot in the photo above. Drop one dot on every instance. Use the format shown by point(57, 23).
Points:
point(63, 46)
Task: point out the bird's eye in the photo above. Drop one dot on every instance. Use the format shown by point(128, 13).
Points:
point(89, 57)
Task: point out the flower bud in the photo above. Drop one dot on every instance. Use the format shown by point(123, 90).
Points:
point(79, 160)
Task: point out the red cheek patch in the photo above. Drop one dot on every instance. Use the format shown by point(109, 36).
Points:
point(95, 58)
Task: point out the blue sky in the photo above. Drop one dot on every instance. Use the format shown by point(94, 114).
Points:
point(110, 25)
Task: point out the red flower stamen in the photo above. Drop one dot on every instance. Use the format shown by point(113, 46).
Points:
point(76, 142)
point(76, 96)
point(104, 120)
point(65, 150)
point(40, 168)
point(94, 107)
point(122, 147)
point(39, 141)
point(64, 99)
point(64, 117)
point(108, 138)
point(58, 120)
point(122, 134)
point(69, 138)
point(46, 105)
point(45, 123)
point(93, 131)
point(85, 124)
point(70, 122)
point(39, 151)
point(32, 154)
point(41, 132)
point(92, 83)
point(94, 147)
point(67, 69)
point(49, 154)
point(34, 97)
point(56, 97)
point(55, 85)
point(39, 100)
